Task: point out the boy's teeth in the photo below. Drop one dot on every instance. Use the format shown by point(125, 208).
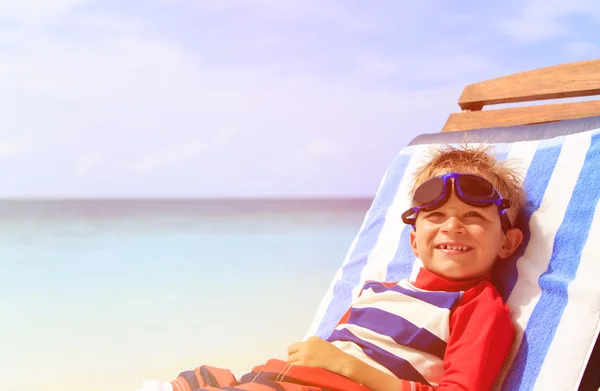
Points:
point(454, 248)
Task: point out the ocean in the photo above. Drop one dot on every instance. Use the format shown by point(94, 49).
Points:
point(102, 294)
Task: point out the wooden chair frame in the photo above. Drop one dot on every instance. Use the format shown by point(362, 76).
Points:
point(578, 79)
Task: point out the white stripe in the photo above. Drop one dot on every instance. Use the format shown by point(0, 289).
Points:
point(428, 365)
point(576, 332)
point(420, 313)
point(387, 243)
point(523, 152)
point(178, 383)
point(544, 224)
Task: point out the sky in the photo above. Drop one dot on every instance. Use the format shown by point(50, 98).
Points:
point(240, 98)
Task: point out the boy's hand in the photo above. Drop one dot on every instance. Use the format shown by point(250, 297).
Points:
point(315, 352)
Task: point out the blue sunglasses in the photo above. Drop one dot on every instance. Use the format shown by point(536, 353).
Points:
point(470, 189)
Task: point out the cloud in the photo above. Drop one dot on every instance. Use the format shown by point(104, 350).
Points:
point(447, 66)
point(308, 157)
point(115, 99)
point(10, 148)
point(127, 108)
point(170, 156)
point(18, 146)
point(540, 20)
point(86, 165)
point(33, 13)
point(319, 147)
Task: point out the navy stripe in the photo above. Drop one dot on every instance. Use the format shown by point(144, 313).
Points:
point(399, 329)
point(570, 240)
point(505, 273)
point(439, 299)
point(190, 377)
point(397, 365)
point(342, 290)
point(247, 377)
point(266, 378)
point(208, 377)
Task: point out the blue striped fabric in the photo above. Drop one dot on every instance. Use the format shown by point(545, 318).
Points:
point(566, 255)
point(535, 184)
point(400, 327)
point(401, 265)
point(396, 365)
point(550, 284)
point(400, 330)
point(439, 299)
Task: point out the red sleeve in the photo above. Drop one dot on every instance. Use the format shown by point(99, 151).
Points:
point(481, 336)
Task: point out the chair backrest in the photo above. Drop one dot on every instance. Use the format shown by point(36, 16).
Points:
point(550, 285)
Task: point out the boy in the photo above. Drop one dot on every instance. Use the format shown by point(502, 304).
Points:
point(446, 330)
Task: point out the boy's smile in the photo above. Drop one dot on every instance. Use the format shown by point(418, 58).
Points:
point(458, 241)
point(453, 248)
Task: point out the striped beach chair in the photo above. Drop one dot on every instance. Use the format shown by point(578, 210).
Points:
point(552, 285)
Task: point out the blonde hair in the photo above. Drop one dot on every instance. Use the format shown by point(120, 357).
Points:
point(475, 160)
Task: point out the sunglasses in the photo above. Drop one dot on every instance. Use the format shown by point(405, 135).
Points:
point(470, 189)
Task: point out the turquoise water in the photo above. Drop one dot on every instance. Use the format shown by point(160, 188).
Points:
point(102, 294)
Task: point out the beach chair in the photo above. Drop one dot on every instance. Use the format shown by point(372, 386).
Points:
point(552, 285)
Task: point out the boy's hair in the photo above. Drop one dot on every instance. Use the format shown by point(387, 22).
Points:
point(478, 161)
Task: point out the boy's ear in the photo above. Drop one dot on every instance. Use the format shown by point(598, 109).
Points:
point(413, 242)
point(513, 239)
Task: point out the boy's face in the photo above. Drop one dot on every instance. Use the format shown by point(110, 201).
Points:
point(458, 241)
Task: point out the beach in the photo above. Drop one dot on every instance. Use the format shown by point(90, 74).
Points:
point(102, 294)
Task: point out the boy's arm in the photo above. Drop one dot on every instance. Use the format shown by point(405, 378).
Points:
point(316, 352)
point(481, 336)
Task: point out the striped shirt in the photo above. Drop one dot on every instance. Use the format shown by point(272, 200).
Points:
point(405, 328)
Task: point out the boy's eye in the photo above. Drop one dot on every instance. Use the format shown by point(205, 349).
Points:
point(434, 214)
point(472, 214)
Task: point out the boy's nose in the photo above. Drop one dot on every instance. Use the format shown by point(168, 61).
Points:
point(453, 224)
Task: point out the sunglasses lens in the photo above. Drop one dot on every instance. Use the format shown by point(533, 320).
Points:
point(428, 191)
point(475, 187)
